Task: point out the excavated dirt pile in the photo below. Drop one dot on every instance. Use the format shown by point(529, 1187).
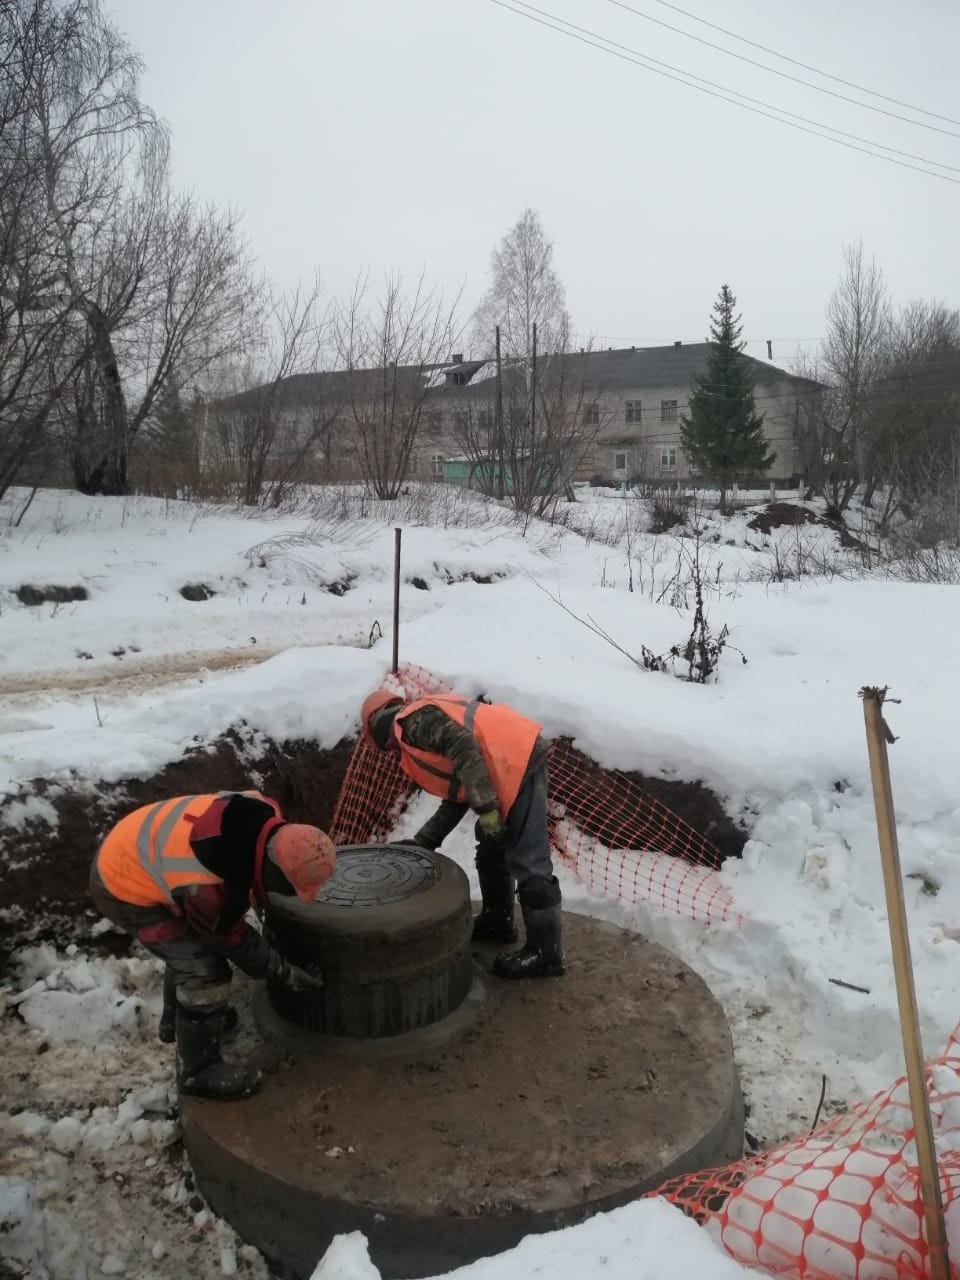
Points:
point(44, 866)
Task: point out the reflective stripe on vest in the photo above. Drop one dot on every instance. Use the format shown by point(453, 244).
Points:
point(167, 871)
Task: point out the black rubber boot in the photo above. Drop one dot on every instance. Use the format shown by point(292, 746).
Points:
point(167, 1030)
point(202, 1072)
point(541, 956)
point(495, 922)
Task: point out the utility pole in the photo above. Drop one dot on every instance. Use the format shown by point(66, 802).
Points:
point(499, 421)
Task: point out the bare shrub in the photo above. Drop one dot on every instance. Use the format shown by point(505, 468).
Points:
point(668, 510)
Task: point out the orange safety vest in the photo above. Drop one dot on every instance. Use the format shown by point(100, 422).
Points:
point(506, 741)
point(147, 854)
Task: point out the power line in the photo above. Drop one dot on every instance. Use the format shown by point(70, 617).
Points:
point(935, 115)
point(713, 85)
point(843, 97)
point(626, 54)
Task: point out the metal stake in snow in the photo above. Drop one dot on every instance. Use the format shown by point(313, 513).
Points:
point(398, 533)
point(878, 735)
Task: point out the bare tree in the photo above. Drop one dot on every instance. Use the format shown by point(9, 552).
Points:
point(153, 287)
point(389, 347)
point(917, 439)
point(525, 293)
point(837, 428)
point(527, 443)
point(550, 415)
point(271, 423)
point(35, 314)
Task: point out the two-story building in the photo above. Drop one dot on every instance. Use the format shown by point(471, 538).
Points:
point(616, 414)
point(631, 400)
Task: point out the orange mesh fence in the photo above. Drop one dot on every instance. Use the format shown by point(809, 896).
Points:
point(842, 1203)
point(374, 791)
point(625, 844)
point(614, 836)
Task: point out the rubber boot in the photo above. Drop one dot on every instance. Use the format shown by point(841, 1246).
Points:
point(167, 1030)
point(202, 1072)
point(541, 956)
point(495, 922)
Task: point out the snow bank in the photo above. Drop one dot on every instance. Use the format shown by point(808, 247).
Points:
point(649, 1240)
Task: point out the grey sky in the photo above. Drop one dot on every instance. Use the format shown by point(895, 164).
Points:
point(411, 134)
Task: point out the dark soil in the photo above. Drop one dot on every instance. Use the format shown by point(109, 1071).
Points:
point(44, 872)
point(30, 595)
point(778, 515)
point(696, 804)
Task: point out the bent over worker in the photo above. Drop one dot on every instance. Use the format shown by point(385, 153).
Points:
point(488, 758)
point(180, 876)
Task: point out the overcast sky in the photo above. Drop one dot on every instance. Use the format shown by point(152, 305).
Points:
point(410, 134)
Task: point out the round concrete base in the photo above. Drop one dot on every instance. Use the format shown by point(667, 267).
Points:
point(561, 1098)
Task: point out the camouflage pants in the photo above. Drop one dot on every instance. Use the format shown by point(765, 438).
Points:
point(200, 976)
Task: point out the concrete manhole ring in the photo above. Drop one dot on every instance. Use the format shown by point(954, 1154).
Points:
point(565, 1098)
point(390, 933)
point(372, 876)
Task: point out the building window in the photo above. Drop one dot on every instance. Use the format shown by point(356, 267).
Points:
point(668, 410)
point(668, 458)
point(632, 413)
point(591, 417)
point(619, 462)
point(484, 419)
point(436, 464)
point(459, 379)
point(461, 422)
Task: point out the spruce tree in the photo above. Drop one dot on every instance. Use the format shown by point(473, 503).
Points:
point(723, 435)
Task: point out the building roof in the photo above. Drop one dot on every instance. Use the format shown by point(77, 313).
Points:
point(619, 369)
point(634, 369)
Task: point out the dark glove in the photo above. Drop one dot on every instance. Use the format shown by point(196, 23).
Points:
point(490, 828)
point(419, 840)
point(296, 979)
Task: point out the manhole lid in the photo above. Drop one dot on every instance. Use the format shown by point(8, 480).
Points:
point(376, 876)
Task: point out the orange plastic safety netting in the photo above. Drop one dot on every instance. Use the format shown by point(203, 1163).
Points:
point(844, 1202)
point(614, 836)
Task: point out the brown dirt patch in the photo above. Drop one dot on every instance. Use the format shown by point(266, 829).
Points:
point(778, 515)
point(43, 872)
point(32, 596)
point(197, 591)
point(695, 803)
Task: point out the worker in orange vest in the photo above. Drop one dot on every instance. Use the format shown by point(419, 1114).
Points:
point(488, 758)
point(180, 876)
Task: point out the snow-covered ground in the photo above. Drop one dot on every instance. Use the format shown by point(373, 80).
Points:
point(121, 683)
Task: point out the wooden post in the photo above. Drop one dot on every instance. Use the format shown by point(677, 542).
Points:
point(398, 533)
point(878, 735)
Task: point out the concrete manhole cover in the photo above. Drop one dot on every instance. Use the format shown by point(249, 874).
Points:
point(379, 876)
